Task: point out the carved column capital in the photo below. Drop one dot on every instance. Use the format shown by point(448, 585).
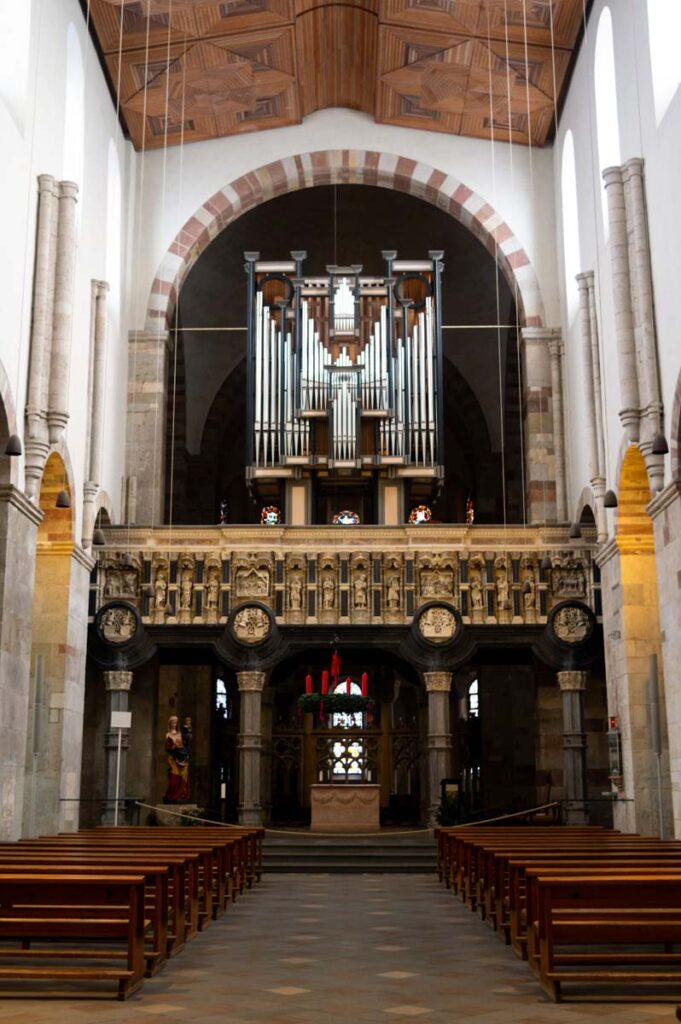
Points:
point(572, 681)
point(437, 682)
point(251, 682)
point(120, 680)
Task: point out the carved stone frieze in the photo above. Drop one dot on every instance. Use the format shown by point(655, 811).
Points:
point(437, 576)
point(253, 576)
point(568, 578)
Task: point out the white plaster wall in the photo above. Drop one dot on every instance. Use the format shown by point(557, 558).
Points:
point(660, 146)
point(517, 182)
point(38, 148)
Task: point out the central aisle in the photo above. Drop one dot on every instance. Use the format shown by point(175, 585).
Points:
point(339, 949)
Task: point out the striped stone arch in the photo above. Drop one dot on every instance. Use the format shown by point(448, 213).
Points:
point(344, 167)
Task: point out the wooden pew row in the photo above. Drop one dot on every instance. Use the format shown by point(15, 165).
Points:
point(105, 911)
point(582, 921)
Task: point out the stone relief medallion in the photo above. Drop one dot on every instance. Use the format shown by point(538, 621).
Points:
point(251, 625)
point(438, 624)
point(117, 624)
point(571, 623)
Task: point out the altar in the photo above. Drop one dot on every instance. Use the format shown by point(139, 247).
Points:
point(345, 807)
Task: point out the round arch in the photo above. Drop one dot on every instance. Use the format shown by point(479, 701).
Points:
point(344, 167)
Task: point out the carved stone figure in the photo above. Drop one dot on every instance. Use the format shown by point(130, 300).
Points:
point(212, 590)
point(295, 594)
point(437, 582)
point(177, 753)
point(186, 588)
point(160, 591)
point(251, 625)
point(502, 587)
point(113, 583)
point(529, 595)
point(437, 625)
point(118, 625)
point(392, 592)
point(328, 593)
point(361, 590)
point(476, 591)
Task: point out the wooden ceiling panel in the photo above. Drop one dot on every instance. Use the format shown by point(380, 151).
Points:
point(197, 69)
point(347, 38)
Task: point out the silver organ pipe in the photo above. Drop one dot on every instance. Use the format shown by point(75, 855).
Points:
point(384, 370)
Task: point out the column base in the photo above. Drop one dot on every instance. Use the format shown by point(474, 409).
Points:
point(250, 816)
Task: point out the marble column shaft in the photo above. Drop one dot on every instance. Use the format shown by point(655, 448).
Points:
point(621, 286)
point(57, 408)
point(556, 354)
point(593, 398)
point(250, 745)
point(97, 368)
point(36, 441)
point(439, 744)
point(644, 316)
point(146, 425)
point(117, 685)
point(572, 686)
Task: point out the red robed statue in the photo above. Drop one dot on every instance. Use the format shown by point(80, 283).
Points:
point(177, 750)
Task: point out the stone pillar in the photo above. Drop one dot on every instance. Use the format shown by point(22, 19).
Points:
point(556, 354)
point(665, 512)
point(117, 686)
point(57, 406)
point(19, 521)
point(621, 287)
point(439, 744)
point(644, 317)
point(36, 443)
point(146, 425)
point(543, 424)
point(96, 408)
point(572, 686)
point(266, 756)
point(593, 398)
point(251, 685)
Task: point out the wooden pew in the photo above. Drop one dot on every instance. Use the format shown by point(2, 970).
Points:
point(592, 915)
point(53, 908)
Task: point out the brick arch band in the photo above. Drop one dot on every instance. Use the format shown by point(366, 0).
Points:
point(344, 167)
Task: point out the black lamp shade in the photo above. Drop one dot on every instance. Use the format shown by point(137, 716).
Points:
point(546, 564)
point(63, 500)
point(610, 500)
point(98, 537)
point(660, 446)
point(575, 531)
point(13, 446)
point(526, 588)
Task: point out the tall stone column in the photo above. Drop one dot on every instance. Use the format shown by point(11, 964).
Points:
point(543, 424)
point(36, 443)
point(644, 317)
point(439, 744)
point(556, 355)
point(98, 366)
point(19, 521)
point(621, 287)
point(251, 684)
point(593, 398)
point(572, 686)
point(117, 685)
point(146, 426)
point(57, 407)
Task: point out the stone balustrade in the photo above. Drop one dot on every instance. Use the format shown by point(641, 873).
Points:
point(345, 575)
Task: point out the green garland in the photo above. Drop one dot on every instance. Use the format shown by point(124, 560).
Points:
point(336, 703)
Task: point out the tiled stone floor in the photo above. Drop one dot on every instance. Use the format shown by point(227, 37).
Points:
point(340, 949)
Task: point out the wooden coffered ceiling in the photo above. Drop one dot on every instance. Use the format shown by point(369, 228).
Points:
point(187, 70)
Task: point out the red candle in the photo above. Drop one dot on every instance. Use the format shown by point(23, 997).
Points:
point(325, 681)
point(348, 685)
point(365, 684)
point(308, 684)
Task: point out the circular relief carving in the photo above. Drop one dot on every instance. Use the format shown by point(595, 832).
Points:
point(117, 624)
point(572, 624)
point(251, 625)
point(438, 624)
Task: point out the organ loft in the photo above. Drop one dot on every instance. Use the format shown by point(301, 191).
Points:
point(345, 389)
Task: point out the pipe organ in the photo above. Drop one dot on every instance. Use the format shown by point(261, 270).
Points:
point(344, 377)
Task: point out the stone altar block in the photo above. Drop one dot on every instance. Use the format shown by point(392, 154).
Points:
point(345, 807)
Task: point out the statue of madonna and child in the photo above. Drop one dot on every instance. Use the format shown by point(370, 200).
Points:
point(177, 743)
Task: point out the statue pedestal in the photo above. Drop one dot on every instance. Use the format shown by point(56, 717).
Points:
point(345, 807)
point(172, 819)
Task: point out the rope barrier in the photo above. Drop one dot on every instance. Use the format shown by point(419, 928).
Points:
point(348, 835)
